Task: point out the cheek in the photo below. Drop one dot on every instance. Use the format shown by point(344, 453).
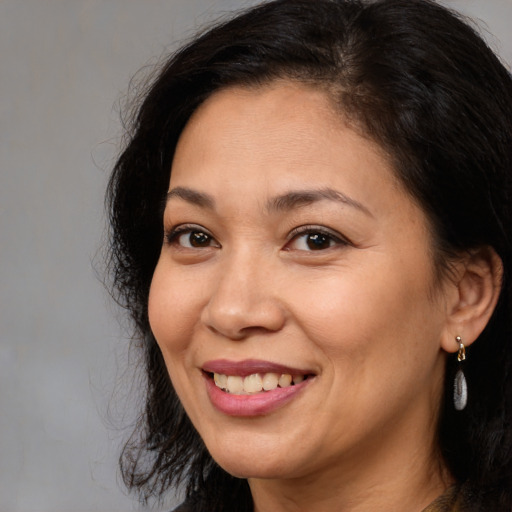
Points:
point(365, 310)
point(172, 309)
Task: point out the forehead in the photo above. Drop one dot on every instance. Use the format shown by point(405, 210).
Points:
point(282, 126)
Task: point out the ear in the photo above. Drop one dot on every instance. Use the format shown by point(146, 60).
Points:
point(476, 289)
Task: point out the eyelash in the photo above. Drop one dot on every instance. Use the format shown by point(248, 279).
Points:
point(332, 236)
point(172, 236)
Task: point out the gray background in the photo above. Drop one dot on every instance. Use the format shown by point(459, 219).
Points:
point(64, 366)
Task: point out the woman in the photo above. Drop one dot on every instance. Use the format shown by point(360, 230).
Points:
point(311, 224)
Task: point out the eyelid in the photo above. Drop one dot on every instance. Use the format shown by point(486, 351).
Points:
point(314, 228)
point(171, 234)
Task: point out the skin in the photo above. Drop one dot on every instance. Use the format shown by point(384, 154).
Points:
point(365, 312)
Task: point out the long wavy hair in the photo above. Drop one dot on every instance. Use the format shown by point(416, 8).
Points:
point(410, 75)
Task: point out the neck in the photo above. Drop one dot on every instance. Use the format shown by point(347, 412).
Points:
point(407, 481)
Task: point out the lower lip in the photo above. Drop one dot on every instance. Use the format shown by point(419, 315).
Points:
point(258, 404)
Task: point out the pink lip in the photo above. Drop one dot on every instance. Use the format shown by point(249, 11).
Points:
point(258, 404)
point(249, 367)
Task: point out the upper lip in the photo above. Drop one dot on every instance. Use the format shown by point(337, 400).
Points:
point(249, 367)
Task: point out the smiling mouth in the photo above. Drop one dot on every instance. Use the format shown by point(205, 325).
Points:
point(256, 382)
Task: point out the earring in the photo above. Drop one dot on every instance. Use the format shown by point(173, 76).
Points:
point(460, 387)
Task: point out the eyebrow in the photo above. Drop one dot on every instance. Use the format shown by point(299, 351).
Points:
point(288, 201)
point(299, 198)
point(192, 196)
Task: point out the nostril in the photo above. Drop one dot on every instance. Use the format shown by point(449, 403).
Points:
point(244, 320)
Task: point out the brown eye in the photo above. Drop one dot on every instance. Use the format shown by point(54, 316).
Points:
point(313, 239)
point(318, 241)
point(191, 238)
point(198, 239)
point(195, 239)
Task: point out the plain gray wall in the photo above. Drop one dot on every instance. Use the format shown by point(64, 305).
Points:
point(64, 67)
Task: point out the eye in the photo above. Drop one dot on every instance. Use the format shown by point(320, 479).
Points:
point(191, 237)
point(314, 239)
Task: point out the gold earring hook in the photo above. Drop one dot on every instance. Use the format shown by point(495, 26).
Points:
point(461, 355)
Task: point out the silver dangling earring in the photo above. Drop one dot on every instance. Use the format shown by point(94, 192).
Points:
point(460, 386)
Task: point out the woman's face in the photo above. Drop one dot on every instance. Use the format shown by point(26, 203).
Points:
point(297, 270)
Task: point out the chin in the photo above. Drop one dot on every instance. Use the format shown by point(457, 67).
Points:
point(251, 463)
point(250, 469)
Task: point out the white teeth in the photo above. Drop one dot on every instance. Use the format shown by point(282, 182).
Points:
point(255, 383)
point(220, 380)
point(285, 380)
point(235, 384)
point(270, 381)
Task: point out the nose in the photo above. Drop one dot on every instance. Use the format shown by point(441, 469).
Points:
point(244, 300)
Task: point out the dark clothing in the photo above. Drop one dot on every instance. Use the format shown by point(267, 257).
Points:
point(455, 499)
